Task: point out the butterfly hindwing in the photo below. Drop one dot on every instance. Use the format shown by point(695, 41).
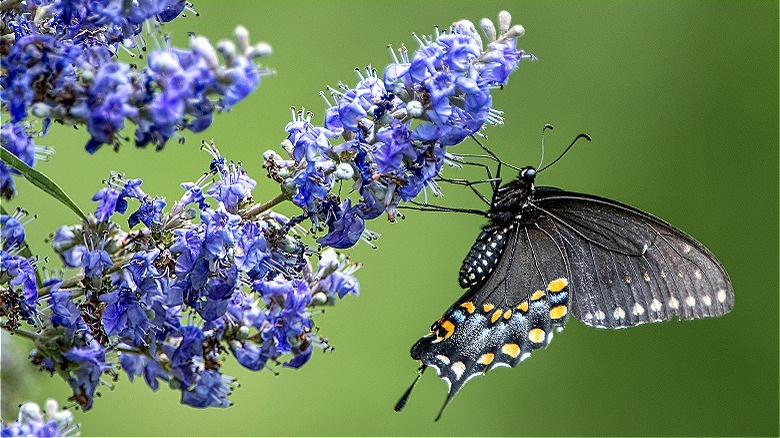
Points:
point(502, 320)
point(628, 267)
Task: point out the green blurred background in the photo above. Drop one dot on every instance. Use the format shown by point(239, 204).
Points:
point(681, 101)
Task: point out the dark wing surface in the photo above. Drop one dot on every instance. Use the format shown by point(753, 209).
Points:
point(627, 267)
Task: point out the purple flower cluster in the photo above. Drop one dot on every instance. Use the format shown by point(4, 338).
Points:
point(19, 297)
point(390, 136)
point(59, 63)
point(32, 422)
point(215, 274)
point(189, 287)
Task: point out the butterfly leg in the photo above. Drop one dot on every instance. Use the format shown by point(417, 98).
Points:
point(470, 184)
point(432, 207)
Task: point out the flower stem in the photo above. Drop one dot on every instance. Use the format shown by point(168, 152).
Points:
point(76, 279)
point(25, 334)
point(259, 208)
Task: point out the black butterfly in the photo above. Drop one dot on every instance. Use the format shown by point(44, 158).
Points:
point(546, 254)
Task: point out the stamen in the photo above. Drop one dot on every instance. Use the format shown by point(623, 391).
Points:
point(392, 54)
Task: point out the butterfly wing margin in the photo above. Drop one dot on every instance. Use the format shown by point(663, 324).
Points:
point(628, 267)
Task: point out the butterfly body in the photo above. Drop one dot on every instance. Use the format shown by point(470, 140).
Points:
point(546, 254)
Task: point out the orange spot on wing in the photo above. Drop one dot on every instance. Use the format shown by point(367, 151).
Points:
point(449, 327)
point(558, 312)
point(557, 285)
point(523, 307)
point(537, 295)
point(486, 359)
point(512, 350)
point(469, 306)
point(487, 307)
point(496, 315)
point(536, 335)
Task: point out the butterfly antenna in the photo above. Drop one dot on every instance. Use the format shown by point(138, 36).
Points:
point(585, 136)
point(545, 128)
point(402, 401)
point(492, 155)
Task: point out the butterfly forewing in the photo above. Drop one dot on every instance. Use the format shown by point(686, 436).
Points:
point(628, 267)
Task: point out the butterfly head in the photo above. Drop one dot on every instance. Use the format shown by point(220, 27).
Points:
point(528, 174)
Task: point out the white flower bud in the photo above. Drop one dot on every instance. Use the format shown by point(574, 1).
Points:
point(344, 171)
point(227, 49)
point(415, 109)
point(319, 299)
point(242, 38)
point(489, 29)
point(516, 31)
point(41, 110)
point(260, 50)
point(203, 47)
point(30, 410)
point(504, 21)
point(51, 407)
point(164, 62)
point(287, 146)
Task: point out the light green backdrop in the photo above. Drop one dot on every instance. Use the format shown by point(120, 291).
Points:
point(681, 102)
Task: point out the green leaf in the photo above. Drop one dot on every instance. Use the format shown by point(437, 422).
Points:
point(26, 253)
point(40, 180)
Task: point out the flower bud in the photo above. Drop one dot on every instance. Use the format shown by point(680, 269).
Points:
point(242, 38)
point(344, 171)
point(415, 109)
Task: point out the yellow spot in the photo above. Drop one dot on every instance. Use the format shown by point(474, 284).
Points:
point(557, 312)
point(536, 335)
point(557, 285)
point(508, 314)
point(469, 306)
point(449, 327)
point(496, 315)
point(511, 350)
point(523, 307)
point(487, 307)
point(486, 359)
point(537, 295)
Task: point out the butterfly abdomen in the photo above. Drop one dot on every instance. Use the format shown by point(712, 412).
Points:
point(483, 257)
